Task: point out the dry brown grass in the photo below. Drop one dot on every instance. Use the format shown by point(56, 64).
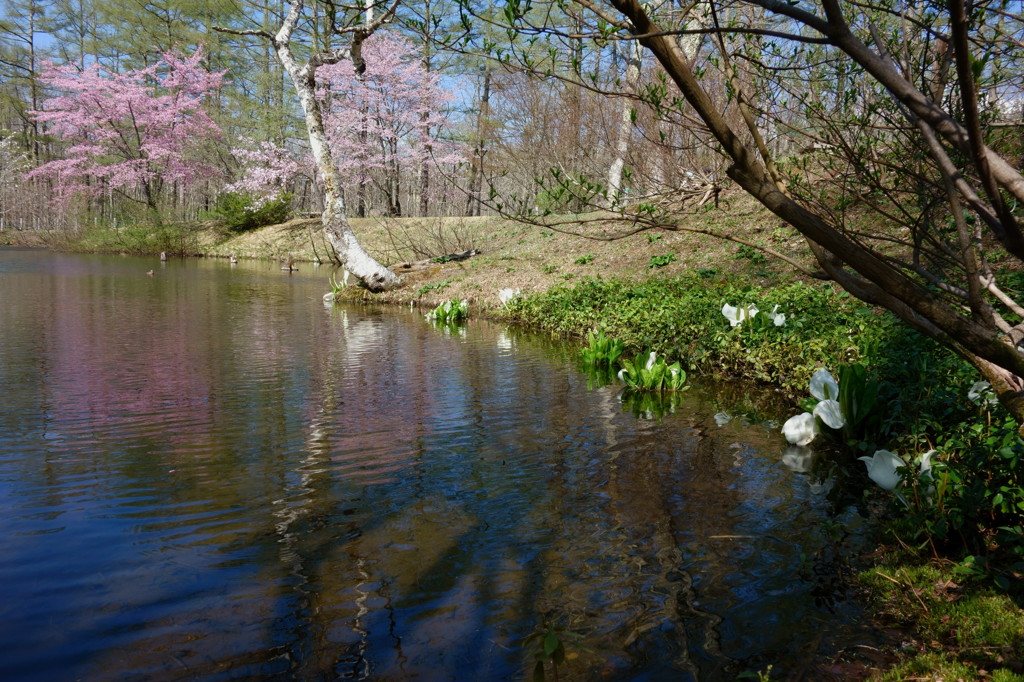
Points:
point(532, 257)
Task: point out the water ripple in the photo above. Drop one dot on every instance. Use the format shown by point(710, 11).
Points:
point(207, 474)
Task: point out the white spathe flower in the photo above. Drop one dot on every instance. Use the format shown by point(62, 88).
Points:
point(506, 295)
point(825, 388)
point(926, 464)
point(736, 316)
point(831, 413)
point(981, 391)
point(800, 429)
point(723, 418)
point(883, 469)
point(778, 318)
point(823, 385)
point(926, 472)
point(651, 360)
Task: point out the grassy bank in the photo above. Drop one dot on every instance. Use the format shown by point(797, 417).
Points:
point(952, 556)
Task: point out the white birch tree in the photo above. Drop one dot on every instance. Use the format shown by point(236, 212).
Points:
point(303, 75)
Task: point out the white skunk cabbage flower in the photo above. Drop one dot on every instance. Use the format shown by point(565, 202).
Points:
point(736, 316)
point(723, 418)
point(651, 360)
point(830, 413)
point(926, 472)
point(776, 317)
point(926, 464)
point(506, 295)
point(883, 469)
point(823, 385)
point(800, 429)
point(981, 392)
point(825, 388)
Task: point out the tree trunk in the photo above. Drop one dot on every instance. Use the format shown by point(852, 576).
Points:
point(633, 62)
point(476, 179)
point(859, 270)
point(425, 157)
point(337, 229)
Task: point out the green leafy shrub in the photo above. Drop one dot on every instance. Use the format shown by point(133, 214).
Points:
point(242, 212)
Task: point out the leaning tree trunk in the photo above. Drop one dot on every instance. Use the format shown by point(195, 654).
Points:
point(337, 229)
point(335, 220)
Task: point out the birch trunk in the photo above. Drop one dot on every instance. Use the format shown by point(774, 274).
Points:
point(337, 229)
point(625, 123)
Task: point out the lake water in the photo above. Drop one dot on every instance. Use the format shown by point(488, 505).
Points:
point(206, 473)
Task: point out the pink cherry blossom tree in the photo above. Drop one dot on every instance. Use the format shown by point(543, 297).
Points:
point(128, 131)
point(389, 117)
point(267, 169)
point(378, 123)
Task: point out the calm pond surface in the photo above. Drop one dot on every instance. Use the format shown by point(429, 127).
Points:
point(206, 473)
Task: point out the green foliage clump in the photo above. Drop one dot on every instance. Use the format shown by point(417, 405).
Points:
point(449, 312)
point(547, 646)
point(601, 350)
point(751, 254)
point(681, 318)
point(242, 212)
point(972, 506)
point(648, 372)
point(662, 260)
point(436, 287)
